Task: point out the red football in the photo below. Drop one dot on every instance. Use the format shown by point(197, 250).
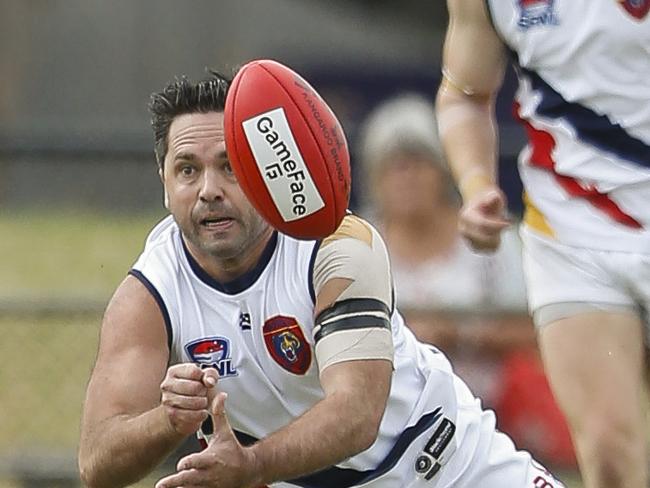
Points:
point(287, 150)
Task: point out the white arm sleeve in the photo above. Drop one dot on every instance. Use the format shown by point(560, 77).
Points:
point(357, 325)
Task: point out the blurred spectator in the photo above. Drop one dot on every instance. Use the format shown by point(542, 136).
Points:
point(472, 306)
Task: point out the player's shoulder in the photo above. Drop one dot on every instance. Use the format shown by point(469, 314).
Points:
point(356, 243)
point(353, 227)
point(159, 245)
point(161, 231)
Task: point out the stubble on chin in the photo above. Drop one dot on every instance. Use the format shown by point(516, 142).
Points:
point(222, 247)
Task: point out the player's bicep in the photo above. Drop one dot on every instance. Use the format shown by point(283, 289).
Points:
point(132, 356)
point(474, 57)
point(368, 381)
point(353, 296)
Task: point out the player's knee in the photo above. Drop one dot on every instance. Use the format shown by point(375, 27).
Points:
point(613, 470)
point(612, 447)
point(604, 434)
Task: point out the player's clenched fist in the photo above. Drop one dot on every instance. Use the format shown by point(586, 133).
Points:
point(185, 396)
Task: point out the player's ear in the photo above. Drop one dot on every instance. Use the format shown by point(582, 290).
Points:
point(165, 198)
point(161, 174)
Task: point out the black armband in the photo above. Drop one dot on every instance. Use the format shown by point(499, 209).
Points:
point(352, 313)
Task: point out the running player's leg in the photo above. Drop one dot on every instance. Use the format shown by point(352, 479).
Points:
point(591, 336)
point(594, 362)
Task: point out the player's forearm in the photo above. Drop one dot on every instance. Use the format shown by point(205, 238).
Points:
point(331, 431)
point(469, 136)
point(123, 449)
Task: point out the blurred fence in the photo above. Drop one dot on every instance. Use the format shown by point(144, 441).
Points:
point(46, 363)
point(47, 360)
point(58, 269)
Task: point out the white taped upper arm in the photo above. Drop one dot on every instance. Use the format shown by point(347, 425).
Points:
point(356, 253)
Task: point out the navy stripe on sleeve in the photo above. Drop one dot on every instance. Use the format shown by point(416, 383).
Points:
point(310, 273)
point(161, 304)
point(346, 477)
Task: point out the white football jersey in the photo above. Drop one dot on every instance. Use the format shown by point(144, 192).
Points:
point(257, 332)
point(584, 99)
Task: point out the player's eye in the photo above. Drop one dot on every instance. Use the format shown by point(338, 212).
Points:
point(227, 168)
point(187, 170)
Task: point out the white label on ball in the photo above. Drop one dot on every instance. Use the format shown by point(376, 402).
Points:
point(281, 165)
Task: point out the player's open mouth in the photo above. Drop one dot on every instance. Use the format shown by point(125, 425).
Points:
point(220, 223)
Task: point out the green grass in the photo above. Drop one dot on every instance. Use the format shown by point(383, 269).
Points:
point(50, 256)
point(55, 256)
point(46, 364)
point(146, 483)
point(68, 254)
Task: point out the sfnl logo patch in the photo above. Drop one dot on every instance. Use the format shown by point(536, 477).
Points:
point(283, 170)
point(212, 352)
point(286, 343)
point(536, 13)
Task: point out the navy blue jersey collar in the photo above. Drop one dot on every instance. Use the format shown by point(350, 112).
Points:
point(242, 282)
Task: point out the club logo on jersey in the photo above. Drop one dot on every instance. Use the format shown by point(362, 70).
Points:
point(212, 352)
point(286, 343)
point(536, 13)
point(636, 8)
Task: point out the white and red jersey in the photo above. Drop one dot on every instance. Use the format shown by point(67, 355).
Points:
point(584, 99)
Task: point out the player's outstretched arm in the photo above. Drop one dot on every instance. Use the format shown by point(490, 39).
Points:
point(126, 429)
point(354, 351)
point(473, 66)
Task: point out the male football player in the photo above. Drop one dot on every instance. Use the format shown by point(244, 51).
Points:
point(325, 385)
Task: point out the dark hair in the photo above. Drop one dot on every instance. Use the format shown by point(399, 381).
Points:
point(184, 97)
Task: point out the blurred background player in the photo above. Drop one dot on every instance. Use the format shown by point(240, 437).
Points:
point(471, 305)
point(584, 101)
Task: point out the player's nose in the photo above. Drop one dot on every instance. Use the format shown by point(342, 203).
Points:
point(211, 188)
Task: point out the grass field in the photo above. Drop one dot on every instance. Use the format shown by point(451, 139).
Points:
point(50, 257)
point(47, 359)
point(68, 254)
point(46, 363)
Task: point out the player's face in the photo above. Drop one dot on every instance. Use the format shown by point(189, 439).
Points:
point(203, 194)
